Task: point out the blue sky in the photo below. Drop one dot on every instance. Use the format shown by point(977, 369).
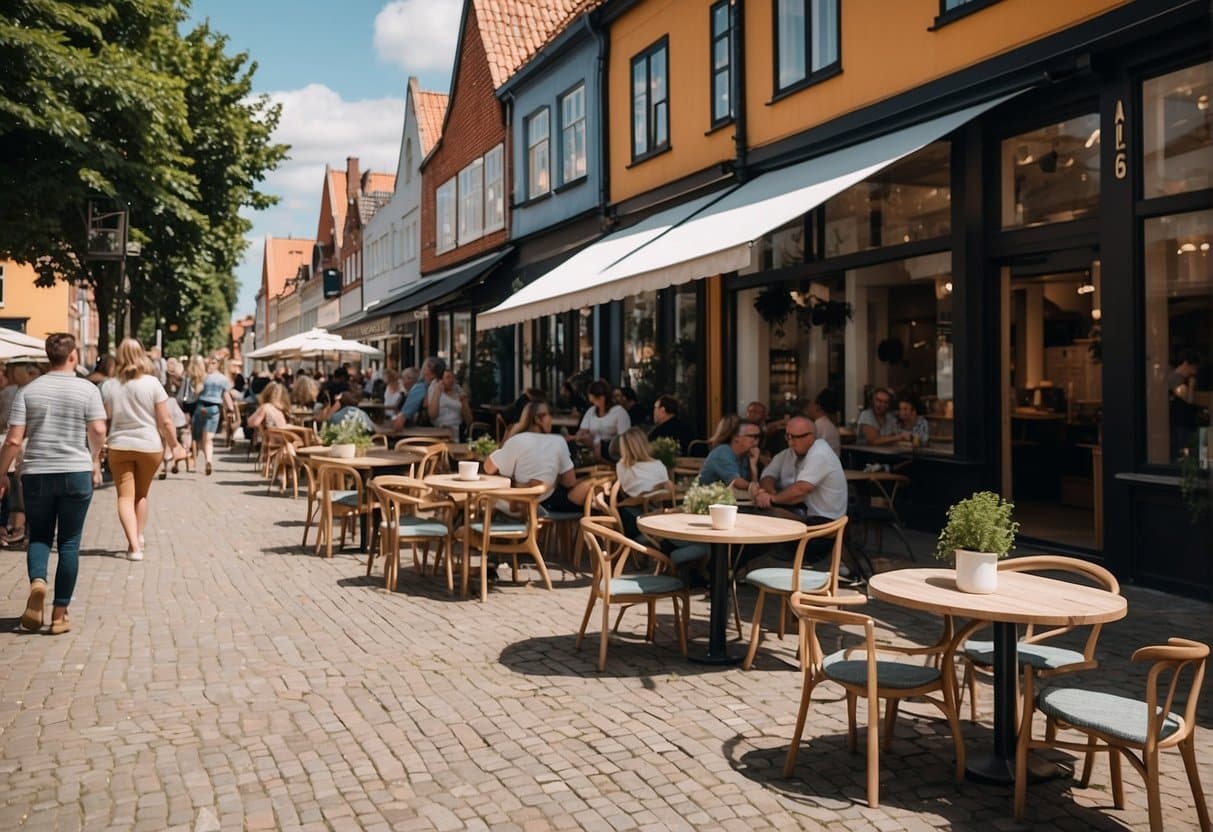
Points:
point(340, 72)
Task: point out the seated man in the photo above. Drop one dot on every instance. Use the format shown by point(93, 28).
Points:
point(806, 479)
point(877, 424)
point(914, 427)
point(735, 460)
point(348, 407)
point(819, 410)
point(666, 422)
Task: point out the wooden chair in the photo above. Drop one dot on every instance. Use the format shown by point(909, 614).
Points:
point(478, 429)
point(698, 447)
point(778, 581)
point(870, 677)
point(596, 502)
point(309, 466)
point(412, 514)
point(410, 442)
point(1120, 725)
point(609, 551)
point(342, 497)
point(282, 459)
point(501, 428)
point(436, 460)
point(378, 440)
point(512, 536)
point(1035, 651)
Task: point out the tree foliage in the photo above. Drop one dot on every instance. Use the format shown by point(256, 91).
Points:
point(110, 100)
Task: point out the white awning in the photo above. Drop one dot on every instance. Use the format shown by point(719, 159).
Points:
point(574, 284)
point(717, 236)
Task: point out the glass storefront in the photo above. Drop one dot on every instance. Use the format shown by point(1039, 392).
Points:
point(1177, 132)
point(1051, 174)
point(641, 363)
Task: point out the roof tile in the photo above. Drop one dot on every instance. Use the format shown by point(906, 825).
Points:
point(514, 30)
point(283, 257)
point(431, 109)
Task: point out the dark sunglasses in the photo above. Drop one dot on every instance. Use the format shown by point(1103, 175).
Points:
point(797, 435)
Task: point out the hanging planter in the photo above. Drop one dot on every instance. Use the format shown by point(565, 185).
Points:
point(775, 304)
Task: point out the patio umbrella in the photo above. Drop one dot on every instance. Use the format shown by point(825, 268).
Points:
point(35, 346)
point(15, 352)
point(315, 343)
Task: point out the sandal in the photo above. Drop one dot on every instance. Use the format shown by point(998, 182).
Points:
point(31, 619)
point(60, 625)
point(174, 467)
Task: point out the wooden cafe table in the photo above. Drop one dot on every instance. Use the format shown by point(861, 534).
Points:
point(1021, 598)
point(368, 465)
point(697, 528)
point(452, 484)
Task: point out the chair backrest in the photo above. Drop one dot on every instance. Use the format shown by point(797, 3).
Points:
point(435, 461)
point(598, 496)
point(401, 495)
point(1092, 573)
point(478, 429)
point(305, 434)
point(502, 428)
point(527, 497)
point(1170, 661)
point(698, 447)
point(610, 549)
point(660, 499)
point(336, 476)
point(414, 441)
point(813, 609)
point(835, 529)
point(378, 440)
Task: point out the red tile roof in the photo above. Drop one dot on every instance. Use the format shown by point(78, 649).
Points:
point(378, 182)
point(431, 109)
point(337, 201)
point(514, 30)
point(281, 261)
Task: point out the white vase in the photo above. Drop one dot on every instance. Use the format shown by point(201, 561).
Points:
point(342, 451)
point(976, 572)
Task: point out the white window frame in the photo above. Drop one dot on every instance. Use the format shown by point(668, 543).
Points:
point(569, 131)
point(445, 217)
point(494, 189)
point(538, 153)
point(471, 202)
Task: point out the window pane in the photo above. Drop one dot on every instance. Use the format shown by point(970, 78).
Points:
point(720, 19)
point(494, 193)
point(641, 367)
point(1051, 174)
point(825, 33)
point(790, 28)
point(657, 75)
point(1177, 131)
point(538, 168)
point(720, 54)
point(640, 108)
point(661, 128)
point(720, 97)
point(1178, 323)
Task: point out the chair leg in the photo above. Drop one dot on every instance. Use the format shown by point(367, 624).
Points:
point(650, 630)
point(543, 569)
point(890, 718)
point(1023, 747)
point(444, 552)
point(1153, 796)
point(680, 621)
point(585, 619)
point(1118, 783)
point(874, 750)
point(755, 630)
point(970, 681)
point(606, 634)
point(852, 735)
point(1088, 761)
point(1187, 749)
point(806, 693)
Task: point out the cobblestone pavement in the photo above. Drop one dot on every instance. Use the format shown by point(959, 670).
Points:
point(231, 681)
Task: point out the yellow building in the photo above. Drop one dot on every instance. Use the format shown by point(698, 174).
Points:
point(39, 311)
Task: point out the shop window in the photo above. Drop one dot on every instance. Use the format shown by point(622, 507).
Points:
point(444, 213)
point(1178, 319)
point(1177, 132)
point(494, 190)
point(641, 368)
point(461, 334)
point(471, 202)
point(1051, 174)
point(807, 34)
point(572, 135)
point(908, 201)
point(650, 104)
point(684, 353)
point(538, 167)
point(722, 62)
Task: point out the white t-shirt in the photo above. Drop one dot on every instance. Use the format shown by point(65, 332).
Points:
point(132, 406)
point(827, 431)
point(642, 477)
point(534, 456)
point(605, 428)
point(822, 469)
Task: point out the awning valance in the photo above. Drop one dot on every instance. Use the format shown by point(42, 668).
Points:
point(440, 286)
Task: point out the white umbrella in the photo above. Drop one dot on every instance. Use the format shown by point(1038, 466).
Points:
point(314, 343)
point(14, 352)
point(20, 339)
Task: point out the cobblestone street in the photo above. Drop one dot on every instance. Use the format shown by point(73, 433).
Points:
point(234, 681)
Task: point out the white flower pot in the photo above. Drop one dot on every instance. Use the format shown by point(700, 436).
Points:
point(976, 572)
point(343, 451)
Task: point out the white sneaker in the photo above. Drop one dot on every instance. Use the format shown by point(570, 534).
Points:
point(135, 555)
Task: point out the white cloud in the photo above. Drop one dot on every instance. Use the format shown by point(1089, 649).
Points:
point(419, 35)
point(321, 128)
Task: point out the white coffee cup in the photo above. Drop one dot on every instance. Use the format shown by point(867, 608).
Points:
point(723, 517)
point(469, 470)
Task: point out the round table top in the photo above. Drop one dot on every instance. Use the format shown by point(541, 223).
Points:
point(1022, 598)
point(374, 458)
point(451, 482)
point(749, 528)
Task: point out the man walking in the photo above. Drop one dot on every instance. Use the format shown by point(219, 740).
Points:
point(63, 419)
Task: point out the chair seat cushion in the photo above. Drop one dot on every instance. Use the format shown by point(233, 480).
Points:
point(501, 527)
point(1115, 716)
point(780, 580)
point(888, 674)
point(645, 585)
point(559, 516)
point(422, 527)
point(344, 498)
point(689, 553)
point(1038, 656)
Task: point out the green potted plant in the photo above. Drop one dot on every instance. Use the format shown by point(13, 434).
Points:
point(699, 497)
point(665, 448)
point(482, 446)
point(347, 438)
point(979, 533)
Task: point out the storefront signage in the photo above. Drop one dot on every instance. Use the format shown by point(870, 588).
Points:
point(1121, 168)
point(367, 329)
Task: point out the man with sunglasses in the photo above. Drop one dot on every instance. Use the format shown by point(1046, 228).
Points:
point(806, 479)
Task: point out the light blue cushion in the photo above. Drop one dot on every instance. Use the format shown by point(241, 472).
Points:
point(689, 553)
point(501, 527)
point(421, 527)
point(1037, 656)
point(888, 674)
point(645, 585)
point(779, 579)
point(345, 498)
point(1116, 716)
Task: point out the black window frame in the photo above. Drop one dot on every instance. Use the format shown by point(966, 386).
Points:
point(527, 196)
point(966, 8)
point(713, 73)
point(662, 44)
point(811, 76)
point(560, 126)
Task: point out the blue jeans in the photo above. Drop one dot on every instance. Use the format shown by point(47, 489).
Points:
point(56, 500)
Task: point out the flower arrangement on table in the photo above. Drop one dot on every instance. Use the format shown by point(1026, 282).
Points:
point(482, 446)
point(665, 448)
point(978, 534)
point(699, 497)
point(349, 431)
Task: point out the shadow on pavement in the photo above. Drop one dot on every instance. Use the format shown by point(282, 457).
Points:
point(119, 554)
point(629, 656)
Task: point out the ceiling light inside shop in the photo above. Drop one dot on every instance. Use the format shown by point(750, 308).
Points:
point(1096, 314)
point(1187, 248)
point(1202, 103)
point(1092, 139)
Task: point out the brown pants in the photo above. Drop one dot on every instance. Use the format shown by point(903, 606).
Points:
point(133, 472)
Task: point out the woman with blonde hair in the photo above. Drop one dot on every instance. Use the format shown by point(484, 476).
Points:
point(187, 397)
point(214, 394)
point(275, 404)
point(140, 428)
point(637, 471)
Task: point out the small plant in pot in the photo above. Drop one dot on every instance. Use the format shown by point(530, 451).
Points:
point(979, 533)
point(665, 448)
point(482, 446)
point(700, 497)
point(347, 438)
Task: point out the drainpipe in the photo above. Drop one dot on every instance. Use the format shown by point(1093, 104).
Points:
point(604, 168)
point(737, 58)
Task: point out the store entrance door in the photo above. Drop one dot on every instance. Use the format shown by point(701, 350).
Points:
point(1052, 454)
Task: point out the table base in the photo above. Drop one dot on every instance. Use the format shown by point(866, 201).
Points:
point(715, 660)
point(998, 771)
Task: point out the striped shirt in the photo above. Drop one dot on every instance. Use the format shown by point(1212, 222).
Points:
point(55, 409)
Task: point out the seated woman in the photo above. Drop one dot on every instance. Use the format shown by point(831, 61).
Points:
point(734, 459)
point(602, 422)
point(274, 405)
point(638, 473)
point(914, 427)
point(347, 406)
point(532, 455)
point(448, 405)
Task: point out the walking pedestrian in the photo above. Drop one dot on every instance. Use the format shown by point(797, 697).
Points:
point(187, 397)
point(63, 419)
point(213, 396)
point(14, 533)
point(140, 429)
